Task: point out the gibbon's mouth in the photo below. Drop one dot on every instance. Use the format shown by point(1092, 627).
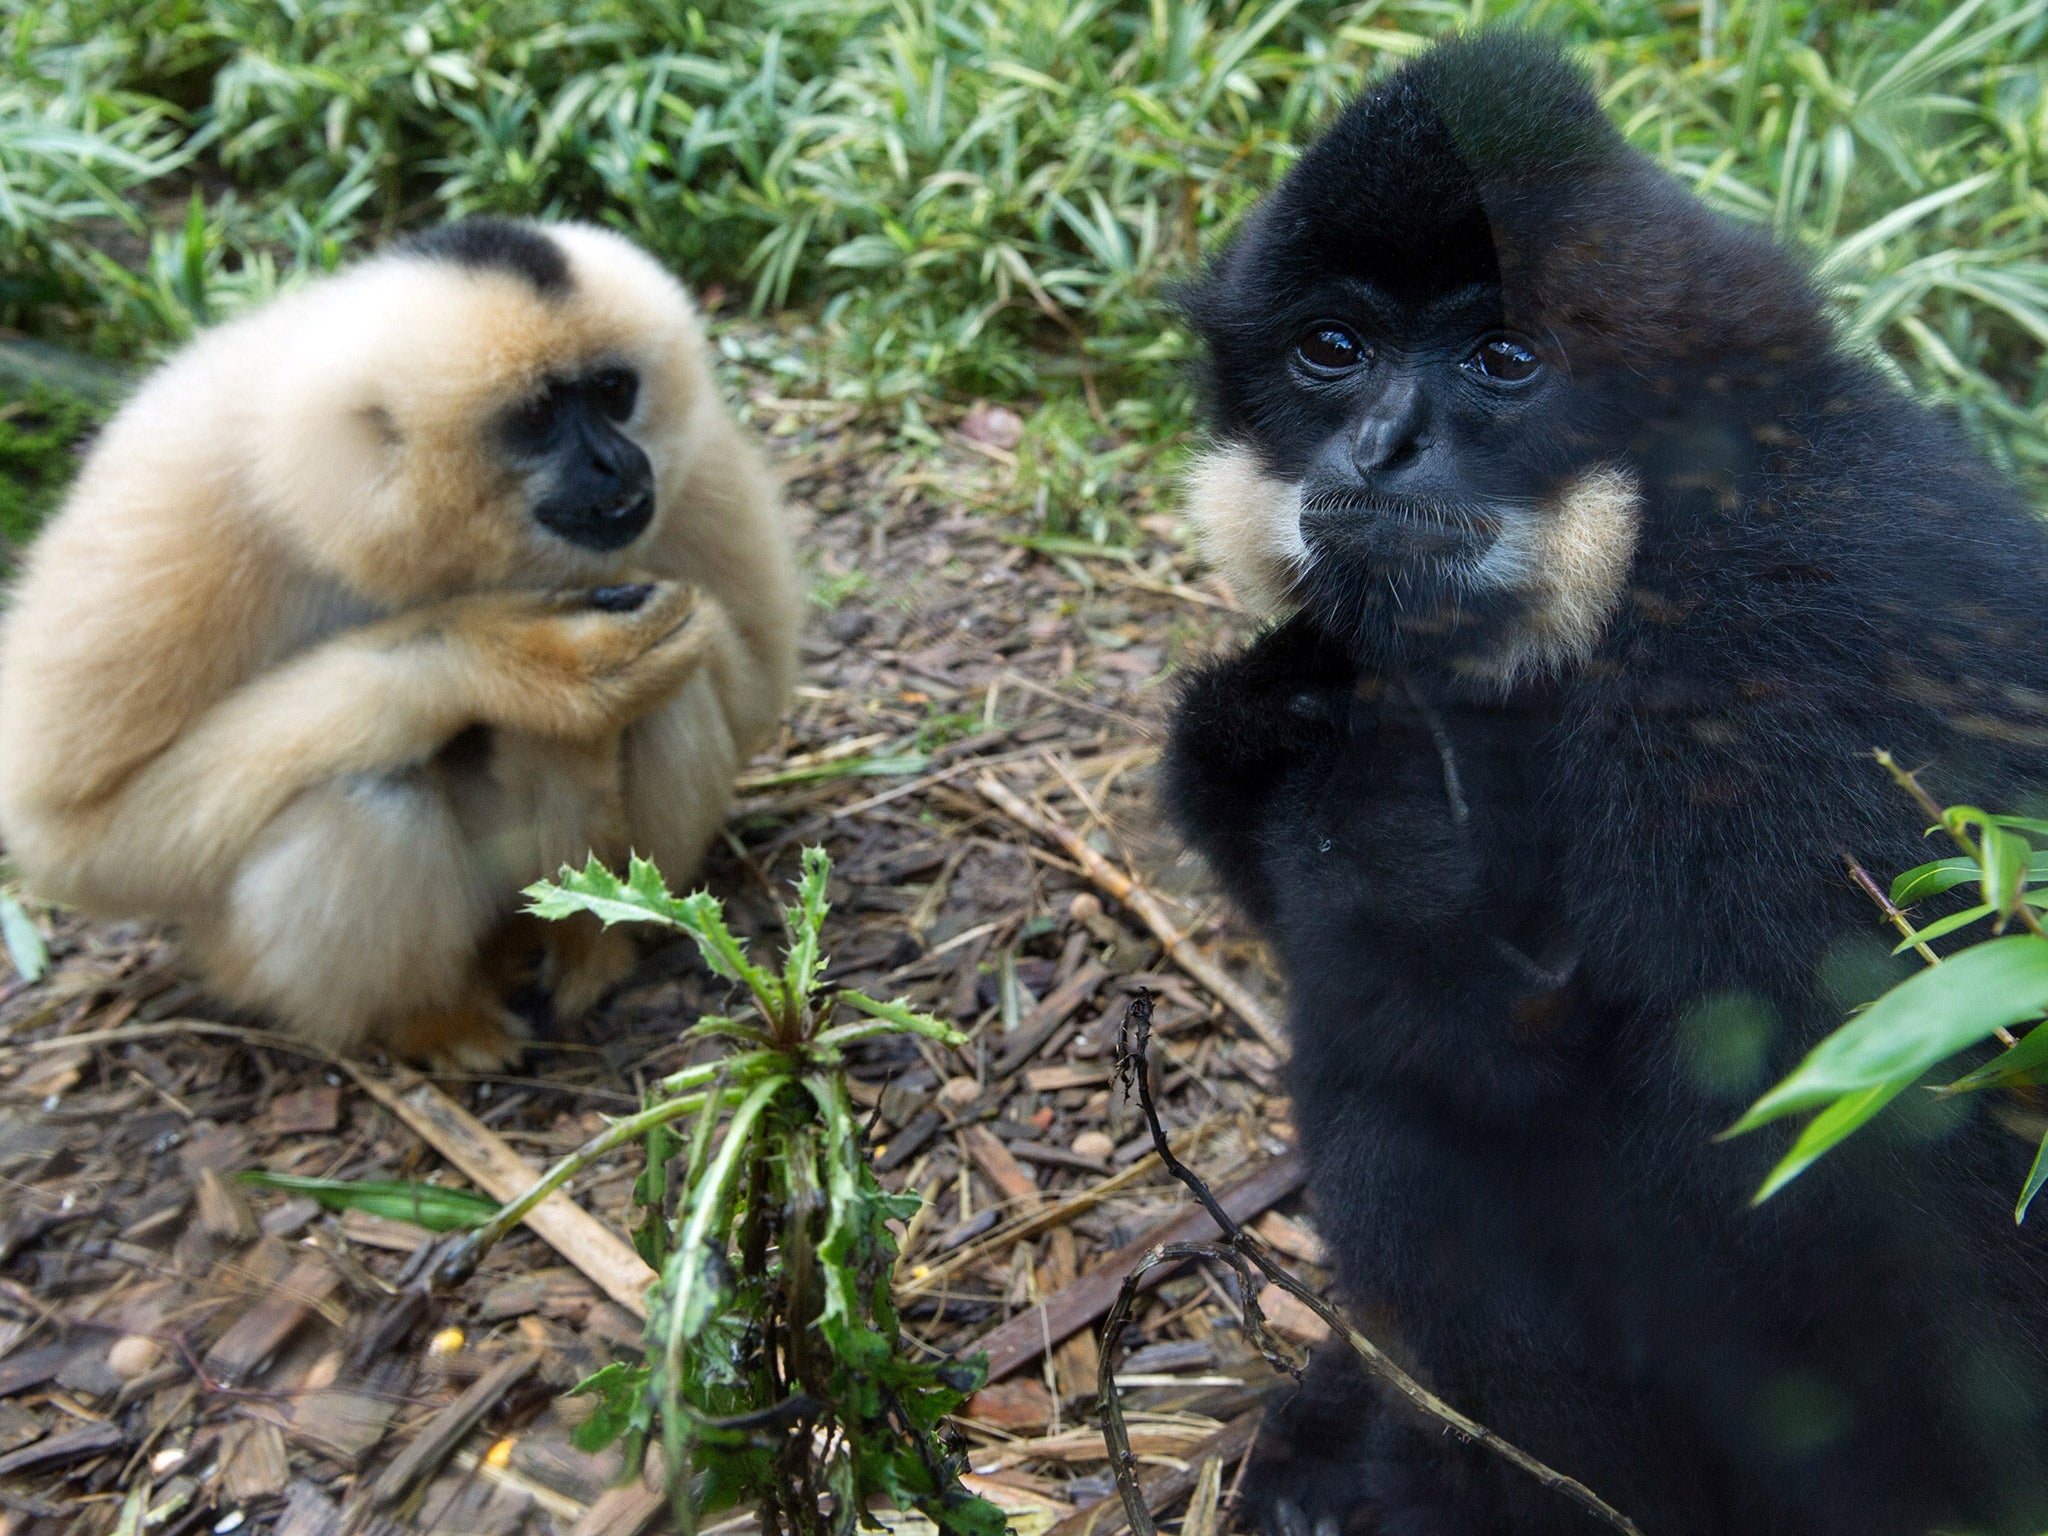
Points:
point(605, 527)
point(629, 509)
point(1396, 527)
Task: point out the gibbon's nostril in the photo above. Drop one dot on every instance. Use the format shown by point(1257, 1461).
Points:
point(623, 599)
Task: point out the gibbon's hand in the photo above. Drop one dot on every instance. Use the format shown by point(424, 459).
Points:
point(1285, 693)
point(582, 661)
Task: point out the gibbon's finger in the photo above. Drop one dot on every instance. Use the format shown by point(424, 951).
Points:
point(621, 599)
point(674, 651)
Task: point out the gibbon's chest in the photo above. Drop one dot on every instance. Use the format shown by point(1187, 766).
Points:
point(1425, 813)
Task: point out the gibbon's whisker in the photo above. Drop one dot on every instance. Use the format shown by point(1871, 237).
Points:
point(1455, 517)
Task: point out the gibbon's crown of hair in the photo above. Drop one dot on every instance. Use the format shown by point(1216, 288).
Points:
point(488, 244)
point(1488, 160)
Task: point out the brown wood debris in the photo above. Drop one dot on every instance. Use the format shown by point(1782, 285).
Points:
point(258, 1363)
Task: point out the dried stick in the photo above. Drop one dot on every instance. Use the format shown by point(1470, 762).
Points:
point(1243, 1252)
point(1151, 911)
point(486, 1161)
point(1887, 906)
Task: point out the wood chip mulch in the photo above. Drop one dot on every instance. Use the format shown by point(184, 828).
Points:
point(182, 1353)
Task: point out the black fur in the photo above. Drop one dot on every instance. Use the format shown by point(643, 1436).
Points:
point(1519, 1026)
point(500, 245)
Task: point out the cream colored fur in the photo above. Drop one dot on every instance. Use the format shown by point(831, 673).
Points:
point(1571, 560)
point(235, 656)
point(1247, 525)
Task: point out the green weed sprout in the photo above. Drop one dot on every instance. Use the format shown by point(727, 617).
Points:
point(775, 1370)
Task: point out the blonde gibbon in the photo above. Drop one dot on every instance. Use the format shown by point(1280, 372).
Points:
point(380, 603)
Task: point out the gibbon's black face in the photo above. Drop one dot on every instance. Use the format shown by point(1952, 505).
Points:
point(1419, 432)
point(586, 480)
point(1442, 353)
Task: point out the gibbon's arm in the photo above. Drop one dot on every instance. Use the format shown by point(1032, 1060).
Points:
point(1247, 727)
point(726, 535)
point(385, 697)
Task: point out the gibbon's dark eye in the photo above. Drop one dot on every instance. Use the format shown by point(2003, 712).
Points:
point(613, 390)
point(1331, 349)
point(533, 420)
point(1503, 360)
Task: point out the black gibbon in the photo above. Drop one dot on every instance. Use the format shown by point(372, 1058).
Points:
point(376, 605)
point(1598, 570)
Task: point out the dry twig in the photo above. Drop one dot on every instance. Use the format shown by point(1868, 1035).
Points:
point(1149, 908)
point(485, 1159)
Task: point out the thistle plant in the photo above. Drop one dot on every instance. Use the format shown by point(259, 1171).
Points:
point(775, 1370)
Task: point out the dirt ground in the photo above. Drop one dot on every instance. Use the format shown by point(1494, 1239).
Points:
point(250, 1361)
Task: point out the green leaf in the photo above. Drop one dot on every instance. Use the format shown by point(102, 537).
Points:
point(719, 1026)
point(2007, 858)
point(642, 897)
point(596, 890)
point(1942, 927)
point(1065, 544)
point(2021, 1063)
point(24, 939)
point(898, 1013)
point(1926, 880)
point(2036, 1177)
point(1941, 1010)
point(622, 1405)
point(804, 965)
point(893, 765)
point(433, 1206)
point(1826, 1130)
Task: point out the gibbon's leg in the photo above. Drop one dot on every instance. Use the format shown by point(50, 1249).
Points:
point(679, 767)
point(566, 801)
point(584, 961)
point(1310, 1472)
point(673, 775)
point(356, 919)
point(371, 701)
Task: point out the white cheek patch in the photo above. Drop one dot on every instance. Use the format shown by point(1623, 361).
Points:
point(1571, 560)
point(1247, 525)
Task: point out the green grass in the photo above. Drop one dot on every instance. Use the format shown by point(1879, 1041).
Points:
point(39, 430)
point(980, 196)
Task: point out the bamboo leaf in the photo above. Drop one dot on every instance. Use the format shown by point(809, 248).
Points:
point(2021, 1063)
point(1924, 880)
point(1827, 1130)
point(1926, 1018)
point(1942, 927)
point(2036, 1177)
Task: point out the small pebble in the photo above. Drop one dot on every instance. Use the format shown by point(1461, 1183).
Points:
point(959, 1091)
point(134, 1355)
point(1094, 1144)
